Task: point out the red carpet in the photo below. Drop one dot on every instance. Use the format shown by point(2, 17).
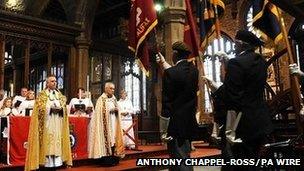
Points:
point(129, 162)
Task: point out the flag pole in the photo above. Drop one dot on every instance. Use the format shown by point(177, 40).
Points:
point(155, 38)
point(295, 89)
point(201, 92)
point(217, 25)
point(200, 67)
point(217, 22)
point(201, 86)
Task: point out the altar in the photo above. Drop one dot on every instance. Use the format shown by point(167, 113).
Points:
point(14, 134)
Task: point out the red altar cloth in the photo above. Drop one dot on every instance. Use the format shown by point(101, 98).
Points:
point(18, 132)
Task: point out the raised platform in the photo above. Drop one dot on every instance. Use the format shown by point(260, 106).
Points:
point(129, 161)
point(149, 151)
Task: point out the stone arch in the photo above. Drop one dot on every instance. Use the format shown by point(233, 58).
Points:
point(35, 7)
point(85, 15)
point(244, 7)
point(54, 10)
point(69, 7)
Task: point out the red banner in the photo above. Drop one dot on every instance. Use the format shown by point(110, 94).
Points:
point(142, 20)
point(17, 141)
point(79, 137)
point(18, 134)
point(190, 32)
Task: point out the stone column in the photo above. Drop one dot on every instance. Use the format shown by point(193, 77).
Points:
point(71, 73)
point(82, 61)
point(174, 20)
point(174, 15)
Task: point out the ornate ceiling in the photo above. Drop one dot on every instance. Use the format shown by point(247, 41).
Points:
point(77, 10)
point(96, 13)
point(64, 10)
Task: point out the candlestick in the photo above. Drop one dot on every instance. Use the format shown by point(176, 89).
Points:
point(79, 94)
point(88, 82)
point(12, 89)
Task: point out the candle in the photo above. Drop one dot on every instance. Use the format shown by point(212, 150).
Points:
point(88, 81)
point(12, 89)
point(79, 94)
point(6, 94)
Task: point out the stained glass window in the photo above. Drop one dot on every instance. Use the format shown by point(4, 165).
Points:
point(38, 78)
point(134, 84)
point(97, 69)
point(58, 71)
point(212, 62)
point(108, 67)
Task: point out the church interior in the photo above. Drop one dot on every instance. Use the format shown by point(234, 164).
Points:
point(84, 43)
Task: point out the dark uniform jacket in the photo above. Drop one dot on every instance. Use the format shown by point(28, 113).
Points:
point(179, 99)
point(243, 91)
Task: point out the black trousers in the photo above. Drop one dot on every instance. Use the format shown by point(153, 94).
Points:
point(180, 148)
point(246, 150)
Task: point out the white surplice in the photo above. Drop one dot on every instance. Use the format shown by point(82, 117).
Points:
point(125, 106)
point(86, 101)
point(53, 125)
point(27, 104)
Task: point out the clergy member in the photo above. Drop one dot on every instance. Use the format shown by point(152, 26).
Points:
point(19, 99)
point(81, 106)
point(2, 97)
point(7, 109)
point(126, 110)
point(48, 139)
point(105, 137)
point(26, 107)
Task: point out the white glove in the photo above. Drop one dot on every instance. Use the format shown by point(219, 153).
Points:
point(165, 138)
point(213, 85)
point(163, 124)
point(221, 54)
point(160, 59)
point(294, 69)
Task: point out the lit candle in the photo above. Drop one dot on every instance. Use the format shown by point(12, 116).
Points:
point(88, 81)
point(12, 89)
point(79, 94)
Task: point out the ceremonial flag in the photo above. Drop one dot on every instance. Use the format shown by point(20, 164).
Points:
point(142, 20)
point(17, 141)
point(79, 137)
point(208, 13)
point(190, 32)
point(18, 129)
point(190, 38)
point(288, 6)
point(265, 18)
